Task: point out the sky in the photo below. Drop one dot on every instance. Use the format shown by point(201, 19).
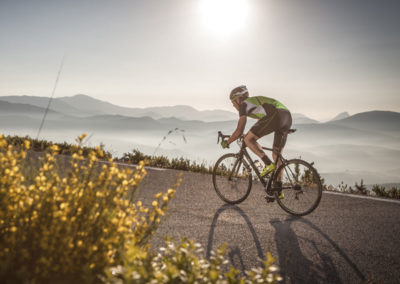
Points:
point(318, 57)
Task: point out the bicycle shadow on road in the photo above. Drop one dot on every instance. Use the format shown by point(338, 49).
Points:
point(309, 256)
point(296, 267)
point(235, 252)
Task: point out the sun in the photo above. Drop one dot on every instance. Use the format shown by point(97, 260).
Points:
point(223, 17)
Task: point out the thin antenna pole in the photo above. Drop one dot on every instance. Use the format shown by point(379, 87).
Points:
point(51, 97)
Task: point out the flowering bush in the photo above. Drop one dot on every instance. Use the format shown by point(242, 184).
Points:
point(76, 223)
point(180, 263)
point(69, 223)
point(42, 145)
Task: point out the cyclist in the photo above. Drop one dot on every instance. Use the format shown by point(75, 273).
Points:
point(272, 116)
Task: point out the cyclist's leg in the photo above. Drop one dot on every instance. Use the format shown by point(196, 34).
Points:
point(279, 144)
point(280, 138)
point(261, 128)
point(251, 141)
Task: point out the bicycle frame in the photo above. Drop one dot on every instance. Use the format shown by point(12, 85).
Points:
point(288, 175)
point(243, 153)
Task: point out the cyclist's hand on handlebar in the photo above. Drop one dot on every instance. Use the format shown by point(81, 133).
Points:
point(224, 144)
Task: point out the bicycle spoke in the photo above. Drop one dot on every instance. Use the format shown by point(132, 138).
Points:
point(231, 178)
point(301, 187)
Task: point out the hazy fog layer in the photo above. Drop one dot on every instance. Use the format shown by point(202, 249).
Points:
point(338, 157)
point(363, 146)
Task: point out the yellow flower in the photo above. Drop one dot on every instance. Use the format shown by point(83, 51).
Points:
point(160, 212)
point(27, 144)
point(82, 136)
point(54, 148)
point(155, 203)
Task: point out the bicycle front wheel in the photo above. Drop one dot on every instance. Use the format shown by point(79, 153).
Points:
point(301, 187)
point(232, 178)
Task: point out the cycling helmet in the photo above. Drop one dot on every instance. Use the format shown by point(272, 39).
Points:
point(239, 92)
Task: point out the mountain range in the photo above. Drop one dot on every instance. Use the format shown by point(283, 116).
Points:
point(83, 106)
point(365, 145)
point(341, 115)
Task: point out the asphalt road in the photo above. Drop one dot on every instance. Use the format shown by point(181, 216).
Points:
point(345, 240)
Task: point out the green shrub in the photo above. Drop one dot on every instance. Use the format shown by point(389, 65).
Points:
point(43, 145)
point(379, 190)
point(361, 188)
point(342, 187)
point(394, 192)
point(163, 162)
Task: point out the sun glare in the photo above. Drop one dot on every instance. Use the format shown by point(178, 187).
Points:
point(223, 17)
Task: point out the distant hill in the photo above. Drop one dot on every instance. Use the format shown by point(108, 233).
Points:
point(91, 106)
point(23, 109)
point(83, 106)
point(299, 118)
point(340, 116)
point(380, 121)
point(42, 102)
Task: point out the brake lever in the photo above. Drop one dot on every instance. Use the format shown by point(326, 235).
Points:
point(219, 136)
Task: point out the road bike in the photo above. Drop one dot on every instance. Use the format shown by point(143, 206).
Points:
point(298, 180)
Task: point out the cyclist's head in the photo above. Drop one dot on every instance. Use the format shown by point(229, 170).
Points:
point(240, 92)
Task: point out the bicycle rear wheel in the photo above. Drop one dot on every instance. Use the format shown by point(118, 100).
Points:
point(301, 185)
point(232, 178)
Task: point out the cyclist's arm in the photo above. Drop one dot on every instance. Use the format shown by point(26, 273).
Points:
point(239, 129)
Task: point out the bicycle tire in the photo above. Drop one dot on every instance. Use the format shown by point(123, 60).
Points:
point(296, 185)
point(226, 189)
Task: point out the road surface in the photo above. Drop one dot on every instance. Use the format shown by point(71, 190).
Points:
point(345, 240)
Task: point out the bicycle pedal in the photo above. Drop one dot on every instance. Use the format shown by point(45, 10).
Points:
point(269, 197)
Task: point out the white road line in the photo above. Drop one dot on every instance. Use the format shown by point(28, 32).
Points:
point(155, 169)
point(363, 197)
point(133, 166)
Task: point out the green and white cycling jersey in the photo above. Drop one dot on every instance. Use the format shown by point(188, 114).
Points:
point(260, 107)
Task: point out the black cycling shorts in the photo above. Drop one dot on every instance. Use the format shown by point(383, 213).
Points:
point(278, 122)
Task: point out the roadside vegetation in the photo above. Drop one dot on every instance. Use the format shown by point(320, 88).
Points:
point(164, 162)
point(43, 145)
point(361, 189)
point(160, 161)
point(80, 223)
point(133, 157)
